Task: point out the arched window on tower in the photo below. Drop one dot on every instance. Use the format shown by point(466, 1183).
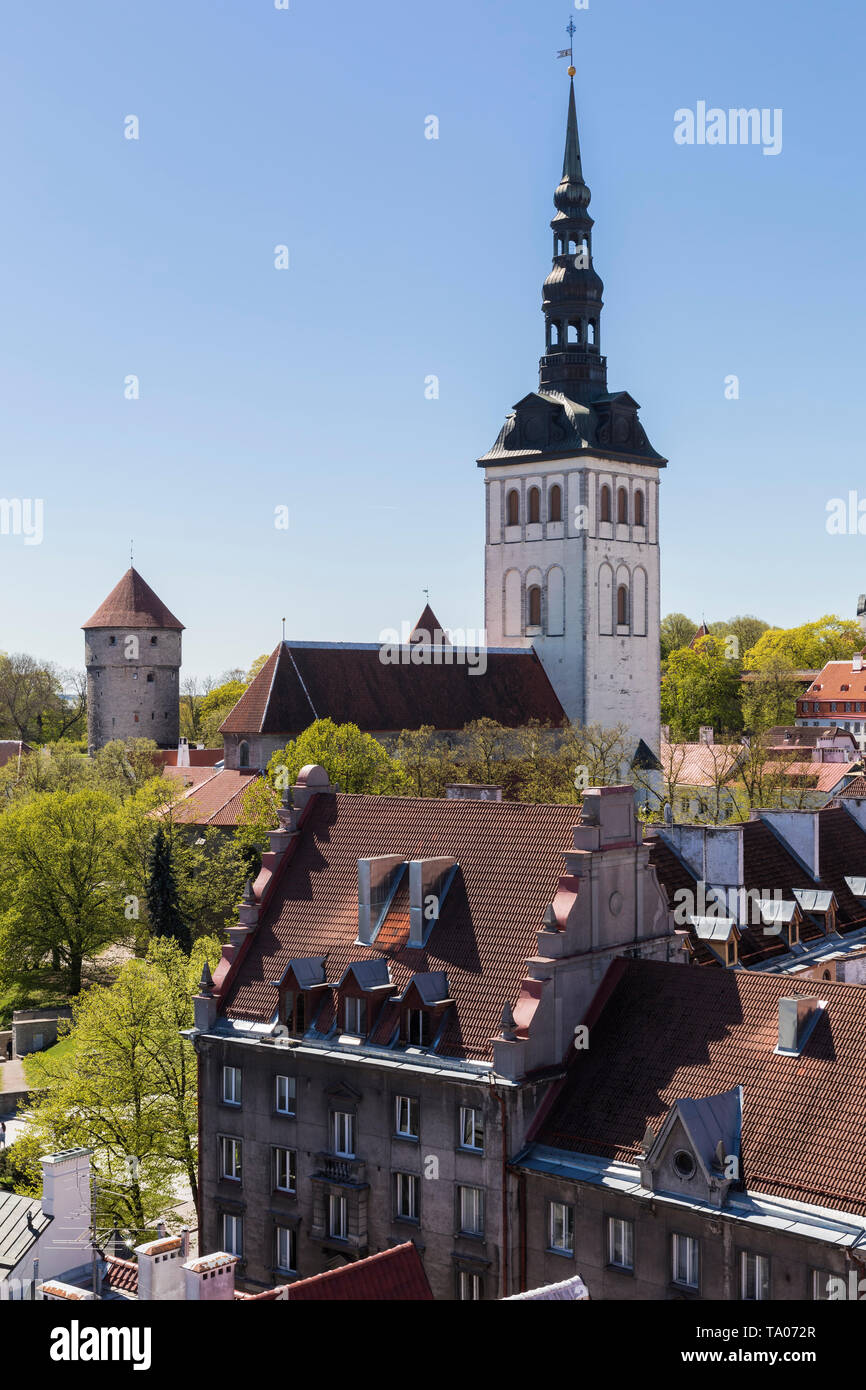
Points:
point(574, 330)
point(554, 333)
point(622, 606)
point(554, 503)
point(512, 508)
point(534, 505)
point(604, 509)
point(533, 606)
point(243, 754)
point(591, 332)
point(622, 507)
point(639, 511)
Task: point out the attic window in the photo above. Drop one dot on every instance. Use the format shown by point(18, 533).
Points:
point(296, 1013)
point(417, 1027)
point(355, 1016)
point(684, 1163)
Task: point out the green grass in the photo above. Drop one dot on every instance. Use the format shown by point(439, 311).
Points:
point(33, 1063)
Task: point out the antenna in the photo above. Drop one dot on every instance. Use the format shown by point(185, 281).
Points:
point(130, 554)
point(284, 629)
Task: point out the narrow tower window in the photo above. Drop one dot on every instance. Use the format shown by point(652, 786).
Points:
point(513, 508)
point(243, 754)
point(639, 516)
point(590, 332)
point(574, 330)
point(554, 508)
point(534, 504)
point(622, 507)
point(622, 606)
point(605, 503)
point(533, 606)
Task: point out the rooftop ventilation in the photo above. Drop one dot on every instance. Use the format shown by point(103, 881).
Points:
point(797, 1020)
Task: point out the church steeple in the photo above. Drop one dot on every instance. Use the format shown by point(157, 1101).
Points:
point(572, 362)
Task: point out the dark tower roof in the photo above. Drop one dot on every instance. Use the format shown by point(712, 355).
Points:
point(132, 603)
point(572, 411)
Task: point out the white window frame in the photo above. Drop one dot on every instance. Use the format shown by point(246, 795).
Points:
point(233, 1234)
point(343, 1133)
point(355, 1016)
point(469, 1131)
point(820, 1284)
point(691, 1246)
point(231, 1158)
point(406, 1117)
point(287, 1159)
point(560, 1227)
point(620, 1232)
point(468, 1285)
point(291, 1092)
point(471, 1200)
point(287, 1237)
point(754, 1272)
point(232, 1086)
point(406, 1196)
point(338, 1229)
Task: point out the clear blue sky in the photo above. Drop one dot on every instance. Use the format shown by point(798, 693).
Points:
point(409, 257)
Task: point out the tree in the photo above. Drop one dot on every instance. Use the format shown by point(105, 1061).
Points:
point(123, 766)
point(126, 1087)
point(163, 903)
point(427, 761)
point(676, 631)
point(747, 629)
point(257, 666)
point(217, 705)
point(61, 883)
point(33, 699)
point(351, 758)
point(597, 754)
point(807, 647)
point(701, 685)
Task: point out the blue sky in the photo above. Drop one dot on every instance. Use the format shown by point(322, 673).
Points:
point(408, 257)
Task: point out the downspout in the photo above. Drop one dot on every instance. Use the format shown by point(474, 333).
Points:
point(504, 1217)
point(198, 1157)
point(521, 1201)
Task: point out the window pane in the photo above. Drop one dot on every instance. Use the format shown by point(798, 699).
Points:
point(285, 1248)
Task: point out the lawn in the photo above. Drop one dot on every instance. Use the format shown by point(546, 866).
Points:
point(33, 1062)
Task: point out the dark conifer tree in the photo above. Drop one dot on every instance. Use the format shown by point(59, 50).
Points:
point(163, 903)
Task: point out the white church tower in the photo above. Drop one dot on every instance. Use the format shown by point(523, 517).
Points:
point(572, 544)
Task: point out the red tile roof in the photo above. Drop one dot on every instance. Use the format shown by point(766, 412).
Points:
point(700, 764)
point(510, 858)
point(856, 788)
point(218, 800)
point(349, 684)
point(122, 1274)
point(838, 681)
point(668, 1033)
point(132, 603)
point(198, 757)
point(392, 1276)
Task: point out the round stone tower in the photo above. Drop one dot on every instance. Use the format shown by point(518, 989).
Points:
point(132, 652)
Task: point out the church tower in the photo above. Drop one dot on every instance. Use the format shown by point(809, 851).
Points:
point(572, 483)
point(132, 654)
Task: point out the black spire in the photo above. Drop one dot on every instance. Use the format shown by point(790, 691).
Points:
point(572, 303)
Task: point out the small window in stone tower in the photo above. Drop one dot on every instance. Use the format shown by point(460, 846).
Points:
point(555, 504)
point(112, 641)
point(590, 332)
point(533, 606)
point(135, 717)
point(243, 755)
point(622, 606)
point(605, 503)
point(622, 507)
point(639, 515)
point(150, 679)
point(534, 500)
point(513, 508)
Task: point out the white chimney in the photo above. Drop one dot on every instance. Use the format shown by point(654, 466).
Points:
point(65, 1246)
point(857, 661)
point(705, 734)
point(160, 1269)
point(210, 1278)
point(183, 753)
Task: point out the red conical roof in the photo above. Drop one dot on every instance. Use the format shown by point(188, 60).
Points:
point(132, 603)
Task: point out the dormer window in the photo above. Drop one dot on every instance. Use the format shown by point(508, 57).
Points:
point(684, 1163)
point(417, 1028)
point(296, 1014)
point(355, 1016)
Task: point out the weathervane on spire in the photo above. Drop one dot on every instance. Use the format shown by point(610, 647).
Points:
point(130, 554)
point(569, 52)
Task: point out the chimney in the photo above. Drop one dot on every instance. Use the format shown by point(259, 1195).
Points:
point(705, 734)
point(857, 661)
point(800, 832)
point(160, 1270)
point(66, 1198)
point(312, 779)
point(665, 733)
point(210, 1278)
point(183, 753)
point(797, 1018)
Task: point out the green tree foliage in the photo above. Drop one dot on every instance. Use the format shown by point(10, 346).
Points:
point(33, 700)
point(746, 628)
point(356, 761)
point(127, 1088)
point(676, 631)
point(61, 882)
point(701, 685)
point(163, 900)
point(216, 706)
point(776, 657)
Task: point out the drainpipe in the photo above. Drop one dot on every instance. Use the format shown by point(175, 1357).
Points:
point(521, 1201)
point(504, 1123)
